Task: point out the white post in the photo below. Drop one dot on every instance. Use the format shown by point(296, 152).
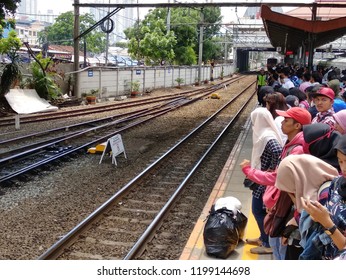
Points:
point(17, 121)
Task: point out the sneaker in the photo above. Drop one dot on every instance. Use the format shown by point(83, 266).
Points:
point(253, 241)
point(261, 250)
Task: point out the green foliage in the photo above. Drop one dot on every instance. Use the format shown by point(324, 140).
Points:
point(179, 81)
point(61, 33)
point(11, 72)
point(44, 79)
point(121, 44)
point(149, 39)
point(135, 85)
point(8, 7)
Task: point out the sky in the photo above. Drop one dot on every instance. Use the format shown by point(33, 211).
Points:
point(61, 6)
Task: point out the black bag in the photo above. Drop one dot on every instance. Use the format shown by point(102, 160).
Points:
point(250, 184)
point(241, 223)
point(221, 232)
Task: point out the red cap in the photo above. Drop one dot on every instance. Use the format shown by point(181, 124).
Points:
point(299, 114)
point(326, 91)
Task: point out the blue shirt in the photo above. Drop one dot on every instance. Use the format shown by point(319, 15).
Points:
point(339, 105)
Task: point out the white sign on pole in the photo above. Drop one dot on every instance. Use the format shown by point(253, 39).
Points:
point(114, 145)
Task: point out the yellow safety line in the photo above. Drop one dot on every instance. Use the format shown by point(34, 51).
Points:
point(251, 231)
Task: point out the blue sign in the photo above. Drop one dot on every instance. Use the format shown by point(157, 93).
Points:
point(138, 72)
point(90, 73)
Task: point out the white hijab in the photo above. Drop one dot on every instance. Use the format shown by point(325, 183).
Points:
point(263, 130)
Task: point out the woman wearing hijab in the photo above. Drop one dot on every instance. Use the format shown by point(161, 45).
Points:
point(266, 150)
point(332, 216)
point(340, 121)
point(305, 176)
point(320, 141)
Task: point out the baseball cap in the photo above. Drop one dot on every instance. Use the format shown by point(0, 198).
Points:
point(299, 114)
point(328, 92)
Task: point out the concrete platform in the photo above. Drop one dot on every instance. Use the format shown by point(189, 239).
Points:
point(230, 183)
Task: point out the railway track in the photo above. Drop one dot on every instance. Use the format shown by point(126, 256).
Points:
point(7, 121)
point(125, 225)
point(18, 162)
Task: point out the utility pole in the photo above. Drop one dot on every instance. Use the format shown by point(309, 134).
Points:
point(225, 55)
point(76, 48)
point(200, 48)
point(138, 32)
point(107, 37)
point(168, 18)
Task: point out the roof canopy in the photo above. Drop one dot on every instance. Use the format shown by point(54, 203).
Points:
point(290, 33)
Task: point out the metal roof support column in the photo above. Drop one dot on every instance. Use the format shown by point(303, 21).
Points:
point(311, 39)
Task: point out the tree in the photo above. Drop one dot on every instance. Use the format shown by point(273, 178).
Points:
point(184, 26)
point(7, 7)
point(61, 33)
point(149, 41)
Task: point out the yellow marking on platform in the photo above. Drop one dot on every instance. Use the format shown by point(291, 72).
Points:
point(252, 231)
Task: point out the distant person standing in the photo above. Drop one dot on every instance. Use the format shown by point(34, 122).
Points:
point(260, 82)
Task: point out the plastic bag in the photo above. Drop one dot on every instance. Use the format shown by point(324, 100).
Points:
point(221, 235)
point(230, 202)
point(241, 222)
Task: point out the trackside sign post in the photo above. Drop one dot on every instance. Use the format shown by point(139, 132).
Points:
point(114, 145)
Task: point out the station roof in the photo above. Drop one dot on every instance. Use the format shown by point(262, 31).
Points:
point(290, 33)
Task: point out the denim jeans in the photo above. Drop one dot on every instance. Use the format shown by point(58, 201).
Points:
point(259, 213)
point(279, 250)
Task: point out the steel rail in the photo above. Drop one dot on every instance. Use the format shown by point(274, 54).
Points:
point(103, 108)
point(70, 151)
point(56, 249)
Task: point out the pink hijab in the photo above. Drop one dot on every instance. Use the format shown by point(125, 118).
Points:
point(302, 176)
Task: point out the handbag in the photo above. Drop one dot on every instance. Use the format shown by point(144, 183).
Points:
point(250, 184)
point(275, 221)
point(270, 196)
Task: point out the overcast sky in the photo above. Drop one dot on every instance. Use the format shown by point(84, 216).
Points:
point(61, 6)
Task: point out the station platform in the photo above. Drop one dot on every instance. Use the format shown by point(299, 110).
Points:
point(229, 183)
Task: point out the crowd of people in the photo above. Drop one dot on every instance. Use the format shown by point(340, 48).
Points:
point(298, 164)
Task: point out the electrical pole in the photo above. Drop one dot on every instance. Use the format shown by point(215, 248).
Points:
point(225, 55)
point(76, 48)
point(200, 48)
point(168, 18)
point(107, 37)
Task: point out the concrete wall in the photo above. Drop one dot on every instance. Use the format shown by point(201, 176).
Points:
point(113, 82)
point(116, 81)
